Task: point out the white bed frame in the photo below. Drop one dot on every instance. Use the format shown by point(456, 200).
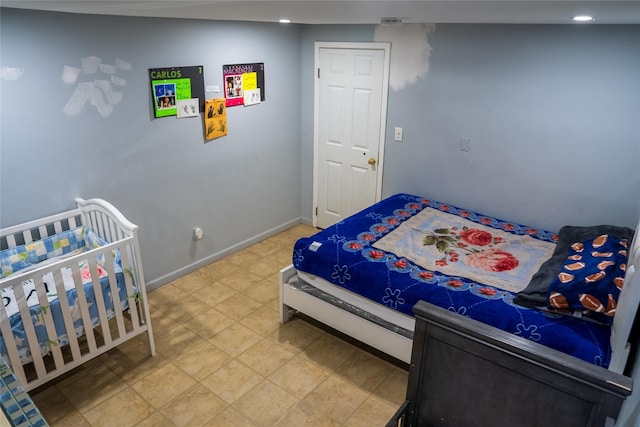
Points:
point(400, 347)
point(378, 337)
point(119, 233)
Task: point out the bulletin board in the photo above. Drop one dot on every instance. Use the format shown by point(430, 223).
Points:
point(243, 84)
point(170, 85)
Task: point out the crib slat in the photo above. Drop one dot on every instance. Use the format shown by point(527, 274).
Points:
point(102, 313)
point(104, 225)
point(143, 303)
point(29, 327)
point(126, 267)
point(120, 233)
point(107, 228)
point(84, 309)
point(117, 233)
point(113, 231)
point(72, 222)
point(10, 344)
point(26, 235)
point(57, 227)
point(95, 224)
point(43, 232)
point(47, 320)
point(66, 315)
point(115, 295)
point(11, 241)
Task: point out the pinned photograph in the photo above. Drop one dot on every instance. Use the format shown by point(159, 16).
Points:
point(165, 95)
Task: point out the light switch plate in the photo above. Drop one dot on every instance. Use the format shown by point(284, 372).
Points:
point(397, 134)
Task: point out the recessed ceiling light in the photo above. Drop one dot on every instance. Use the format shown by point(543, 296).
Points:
point(285, 21)
point(583, 18)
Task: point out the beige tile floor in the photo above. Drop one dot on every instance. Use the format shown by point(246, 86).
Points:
point(223, 359)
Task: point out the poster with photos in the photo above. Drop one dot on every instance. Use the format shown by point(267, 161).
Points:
point(170, 85)
point(215, 118)
point(239, 78)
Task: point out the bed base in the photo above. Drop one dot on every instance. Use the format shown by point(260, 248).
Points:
point(119, 233)
point(348, 323)
point(465, 373)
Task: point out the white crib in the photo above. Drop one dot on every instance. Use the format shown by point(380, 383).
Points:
point(92, 321)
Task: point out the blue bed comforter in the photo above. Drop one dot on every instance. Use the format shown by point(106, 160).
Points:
point(353, 255)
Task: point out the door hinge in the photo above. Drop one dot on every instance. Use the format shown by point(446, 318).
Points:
point(318, 72)
point(316, 211)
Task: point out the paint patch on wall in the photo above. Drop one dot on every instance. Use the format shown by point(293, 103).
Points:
point(11, 73)
point(70, 74)
point(410, 50)
point(98, 93)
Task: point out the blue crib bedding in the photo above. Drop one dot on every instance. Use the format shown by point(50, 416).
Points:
point(54, 307)
point(81, 240)
point(407, 248)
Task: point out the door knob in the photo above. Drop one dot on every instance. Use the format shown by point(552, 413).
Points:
point(372, 161)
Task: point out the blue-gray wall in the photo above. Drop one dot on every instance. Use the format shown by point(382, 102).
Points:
point(161, 173)
point(552, 113)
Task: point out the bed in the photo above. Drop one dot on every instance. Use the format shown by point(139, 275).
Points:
point(90, 255)
point(364, 275)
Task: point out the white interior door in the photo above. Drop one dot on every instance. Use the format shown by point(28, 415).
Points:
point(350, 110)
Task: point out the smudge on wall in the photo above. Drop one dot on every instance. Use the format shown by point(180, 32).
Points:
point(410, 50)
point(11, 73)
point(99, 92)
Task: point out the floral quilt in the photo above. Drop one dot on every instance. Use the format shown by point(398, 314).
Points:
point(454, 245)
point(360, 254)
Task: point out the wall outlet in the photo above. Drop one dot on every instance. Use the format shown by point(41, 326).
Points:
point(198, 233)
point(397, 134)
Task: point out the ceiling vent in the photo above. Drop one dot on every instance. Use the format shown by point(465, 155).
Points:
point(390, 21)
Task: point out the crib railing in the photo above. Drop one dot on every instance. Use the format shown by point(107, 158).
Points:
point(96, 336)
point(32, 231)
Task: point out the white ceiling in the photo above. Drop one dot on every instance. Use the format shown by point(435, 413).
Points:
point(356, 12)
